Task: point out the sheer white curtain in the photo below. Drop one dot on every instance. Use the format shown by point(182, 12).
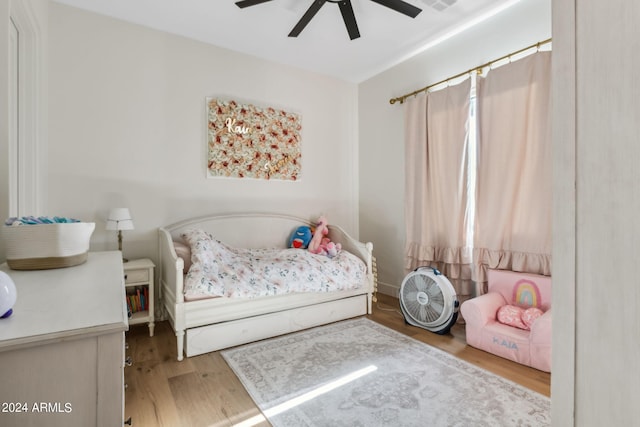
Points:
point(514, 183)
point(436, 215)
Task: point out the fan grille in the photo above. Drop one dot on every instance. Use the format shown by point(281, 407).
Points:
point(423, 299)
point(428, 300)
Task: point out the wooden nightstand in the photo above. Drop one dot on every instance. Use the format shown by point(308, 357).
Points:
point(138, 282)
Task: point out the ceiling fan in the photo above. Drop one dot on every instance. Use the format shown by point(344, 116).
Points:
point(345, 8)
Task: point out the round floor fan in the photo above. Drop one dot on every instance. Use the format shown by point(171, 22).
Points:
point(428, 300)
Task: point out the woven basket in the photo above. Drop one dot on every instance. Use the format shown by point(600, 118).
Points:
point(45, 246)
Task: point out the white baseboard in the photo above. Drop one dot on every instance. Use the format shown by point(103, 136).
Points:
point(388, 289)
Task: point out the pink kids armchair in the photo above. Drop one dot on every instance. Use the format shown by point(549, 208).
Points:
point(513, 319)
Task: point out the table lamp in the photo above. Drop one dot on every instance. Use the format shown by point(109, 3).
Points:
point(120, 219)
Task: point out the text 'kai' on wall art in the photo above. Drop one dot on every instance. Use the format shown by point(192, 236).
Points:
point(247, 141)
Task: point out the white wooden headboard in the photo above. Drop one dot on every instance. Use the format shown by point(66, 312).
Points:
point(244, 230)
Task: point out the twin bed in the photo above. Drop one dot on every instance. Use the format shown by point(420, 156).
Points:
point(208, 315)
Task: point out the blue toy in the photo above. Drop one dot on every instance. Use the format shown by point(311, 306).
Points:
point(301, 237)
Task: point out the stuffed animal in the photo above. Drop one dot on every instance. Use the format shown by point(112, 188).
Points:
point(320, 244)
point(300, 238)
point(329, 248)
point(320, 231)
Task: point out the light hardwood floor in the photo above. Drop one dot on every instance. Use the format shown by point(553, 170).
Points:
point(202, 391)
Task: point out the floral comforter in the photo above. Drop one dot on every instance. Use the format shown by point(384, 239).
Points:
point(224, 271)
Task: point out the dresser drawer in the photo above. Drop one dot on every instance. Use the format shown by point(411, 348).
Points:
point(135, 276)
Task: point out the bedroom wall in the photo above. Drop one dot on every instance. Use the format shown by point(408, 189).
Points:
point(381, 124)
point(127, 128)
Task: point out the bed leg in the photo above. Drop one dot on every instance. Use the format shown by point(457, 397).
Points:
point(369, 303)
point(180, 341)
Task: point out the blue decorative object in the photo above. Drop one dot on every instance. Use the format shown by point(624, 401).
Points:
point(7, 295)
point(301, 237)
point(32, 220)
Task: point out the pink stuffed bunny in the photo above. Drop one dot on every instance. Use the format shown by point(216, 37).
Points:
point(323, 245)
point(321, 231)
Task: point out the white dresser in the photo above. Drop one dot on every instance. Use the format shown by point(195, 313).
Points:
point(62, 349)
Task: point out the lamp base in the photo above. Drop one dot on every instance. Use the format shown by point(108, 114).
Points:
point(120, 245)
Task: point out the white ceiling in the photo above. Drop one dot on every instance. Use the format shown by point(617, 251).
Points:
point(387, 37)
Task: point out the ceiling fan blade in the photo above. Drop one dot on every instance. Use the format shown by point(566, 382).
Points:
point(246, 3)
point(309, 14)
point(400, 6)
point(349, 19)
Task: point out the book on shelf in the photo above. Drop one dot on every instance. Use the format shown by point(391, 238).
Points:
point(137, 299)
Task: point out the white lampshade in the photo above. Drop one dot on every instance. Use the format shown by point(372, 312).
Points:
point(119, 219)
point(7, 295)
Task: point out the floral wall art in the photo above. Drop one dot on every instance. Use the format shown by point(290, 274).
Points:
point(247, 141)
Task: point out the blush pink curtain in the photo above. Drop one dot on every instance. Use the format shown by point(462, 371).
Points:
point(514, 195)
point(436, 215)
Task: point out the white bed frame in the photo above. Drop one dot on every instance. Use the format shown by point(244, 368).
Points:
point(212, 324)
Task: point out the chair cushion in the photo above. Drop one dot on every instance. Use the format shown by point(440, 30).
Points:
point(511, 315)
point(518, 317)
point(530, 315)
point(506, 341)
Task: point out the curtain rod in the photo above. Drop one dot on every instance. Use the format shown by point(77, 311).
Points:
point(478, 69)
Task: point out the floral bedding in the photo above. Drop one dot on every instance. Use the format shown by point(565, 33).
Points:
point(218, 270)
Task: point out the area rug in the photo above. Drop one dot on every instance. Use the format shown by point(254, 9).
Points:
point(360, 373)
